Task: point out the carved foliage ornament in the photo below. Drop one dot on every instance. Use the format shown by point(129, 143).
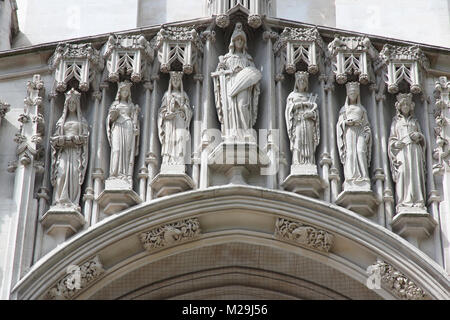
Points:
point(127, 55)
point(170, 234)
point(403, 63)
point(350, 56)
point(397, 282)
point(76, 280)
point(178, 44)
point(75, 61)
point(442, 130)
point(302, 234)
point(299, 45)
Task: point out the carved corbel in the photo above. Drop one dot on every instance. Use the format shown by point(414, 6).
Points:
point(403, 64)
point(178, 45)
point(75, 61)
point(300, 45)
point(352, 56)
point(127, 55)
point(442, 130)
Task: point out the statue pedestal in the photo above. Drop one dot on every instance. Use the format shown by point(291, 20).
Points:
point(413, 224)
point(117, 196)
point(237, 160)
point(304, 180)
point(363, 202)
point(62, 222)
point(171, 179)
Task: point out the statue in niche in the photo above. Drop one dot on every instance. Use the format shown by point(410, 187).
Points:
point(69, 145)
point(406, 149)
point(354, 140)
point(302, 122)
point(123, 134)
point(173, 122)
point(236, 88)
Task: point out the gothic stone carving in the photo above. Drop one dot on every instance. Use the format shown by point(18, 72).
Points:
point(398, 283)
point(76, 280)
point(69, 154)
point(354, 139)
point(178, 44)
point(302, 234)
point(407, 155)
point(127, 55)
point(170, 234)
point(236, 88)
point(299, 44)
point(75, 61)
point(352, 56)
point(32, 127)
point(4, 108)
point(403, 63)
point(442, 130)
point(123, 136)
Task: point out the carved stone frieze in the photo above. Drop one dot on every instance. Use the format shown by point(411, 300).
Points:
point(75, 61)
point(302, 234)
point(180, 45)
point(352, 56)
point(397, 282)
point(442, 130)
point(403, 63)
point(170, 234)
point(76, 280)
point(300, 45)
point(127, 55)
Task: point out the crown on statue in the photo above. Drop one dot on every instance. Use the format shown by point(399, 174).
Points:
point(125, 84)
point(73, 95)
point(301, 75)
point(404, 98)
point(176, 75)
point(352, 86)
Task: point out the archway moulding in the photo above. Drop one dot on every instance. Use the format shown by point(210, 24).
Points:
point(233, 213)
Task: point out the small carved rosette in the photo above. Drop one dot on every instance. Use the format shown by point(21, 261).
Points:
point(170, 234)
point(302, 234)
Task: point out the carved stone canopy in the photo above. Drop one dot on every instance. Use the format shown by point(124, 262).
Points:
point(352, 56)
point(75, 61)
point(403, 63)
point(127, 55)
point(299, 45)
point(178, 44)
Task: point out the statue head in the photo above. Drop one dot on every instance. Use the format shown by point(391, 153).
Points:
point(124, 91)
point(301, 81)
point(238, 39)
point(176, 79)
point(72, 103)
point(353, 92)
point(404, 104)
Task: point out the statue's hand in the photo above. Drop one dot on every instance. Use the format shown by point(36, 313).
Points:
point(415, 136)
point(399, 145)
point(222, 66)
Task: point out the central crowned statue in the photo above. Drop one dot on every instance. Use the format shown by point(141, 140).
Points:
point(236, 88)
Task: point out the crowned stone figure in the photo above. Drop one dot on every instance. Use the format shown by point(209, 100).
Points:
point(302, 122)
point(354, 140)
point(173, 123)
point(69, 146)
point(236, 88)
point(123, 136)
point(407, 156)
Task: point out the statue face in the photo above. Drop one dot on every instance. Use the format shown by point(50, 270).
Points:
point(405, 108)
point(239, 43)
point(353, 94)
point(302, 84)
point(72, 106)
point(124, 93)
point(176, 82)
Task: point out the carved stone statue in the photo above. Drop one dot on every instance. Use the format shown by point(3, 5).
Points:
point(173, 122)
point(123, 134)
point(407, 155)
point(69, 146)
point(302, 122)
point(236, 88)
point(354, 140)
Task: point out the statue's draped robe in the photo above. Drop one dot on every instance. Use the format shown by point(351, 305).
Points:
point(242, 93)
point(69, 162)
point(121, 138)
point(354, 143)
point(173, 125)
point(303, 133)
point(407, 163)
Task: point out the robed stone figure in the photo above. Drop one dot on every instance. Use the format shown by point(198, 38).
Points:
point(236, 88)
point(354, 140)
point(407, 155)
point(174, 119)
point(69, 145)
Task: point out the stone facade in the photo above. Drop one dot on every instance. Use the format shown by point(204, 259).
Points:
point(234, 128)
